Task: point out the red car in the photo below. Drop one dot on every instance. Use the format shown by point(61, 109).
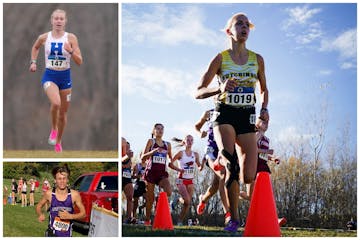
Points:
point(97, 187)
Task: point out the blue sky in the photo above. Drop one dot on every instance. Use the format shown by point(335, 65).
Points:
point(310, 64)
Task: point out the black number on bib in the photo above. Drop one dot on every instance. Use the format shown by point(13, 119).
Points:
point(56, 63)
point(248, 98)
point(240, 98)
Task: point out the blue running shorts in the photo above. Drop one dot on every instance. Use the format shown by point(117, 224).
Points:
point(61, 78)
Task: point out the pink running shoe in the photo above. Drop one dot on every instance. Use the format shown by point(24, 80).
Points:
point(58, 148)
point(52, 137)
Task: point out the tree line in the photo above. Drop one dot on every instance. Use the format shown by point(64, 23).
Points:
point(320, 195)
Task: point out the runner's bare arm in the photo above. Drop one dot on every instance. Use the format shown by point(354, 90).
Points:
point(45, 199)
point(197, 160)
point(263, 88)
point(171, 163)
point(73, 48)
point(147, 153)
point(203, 91)
point(169, 152)
point(35, 51)
point(201, 123)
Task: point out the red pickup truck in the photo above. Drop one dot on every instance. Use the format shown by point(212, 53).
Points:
point(96, 187)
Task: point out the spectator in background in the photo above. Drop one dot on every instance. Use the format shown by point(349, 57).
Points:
point(351, 225)
point(45, 187)
point(37, 184)
point(19, 189)
point(14, 190)
point(23, 194)
point(32, 190)
point(5, 194)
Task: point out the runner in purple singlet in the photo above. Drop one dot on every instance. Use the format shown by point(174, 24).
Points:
point(62, 201)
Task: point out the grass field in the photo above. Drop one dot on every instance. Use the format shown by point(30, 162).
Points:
point(202, 231)
point(22, 221)
point(64, 154)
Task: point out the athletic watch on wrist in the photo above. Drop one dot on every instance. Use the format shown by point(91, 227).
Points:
point(32, 61)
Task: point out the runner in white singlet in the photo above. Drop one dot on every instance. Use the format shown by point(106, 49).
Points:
point(60, 47)
point(187, 160)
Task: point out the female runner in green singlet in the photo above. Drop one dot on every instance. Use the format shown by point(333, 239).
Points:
point(238, 70)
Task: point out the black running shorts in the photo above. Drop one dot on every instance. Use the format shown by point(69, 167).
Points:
point(241, 118)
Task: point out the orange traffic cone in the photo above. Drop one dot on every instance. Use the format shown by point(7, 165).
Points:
point(262, 220)
point(162, 218)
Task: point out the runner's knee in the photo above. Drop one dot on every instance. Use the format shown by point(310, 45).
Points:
point(55, 105)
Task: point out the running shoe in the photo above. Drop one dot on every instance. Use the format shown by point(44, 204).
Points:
point(217, 165)
point(131, 220)
point(58, 148)
point(232, 226)
point(227, 217)
point(147, 223)
point(52, 137)
point(201, 206)
point(282, 221)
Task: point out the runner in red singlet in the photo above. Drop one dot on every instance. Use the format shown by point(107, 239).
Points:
point(265, 154)
point(156, 152)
